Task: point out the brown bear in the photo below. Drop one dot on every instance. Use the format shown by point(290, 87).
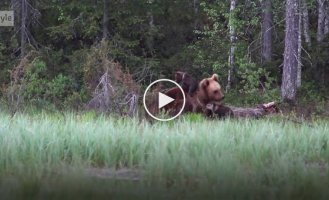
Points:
point(208, 91)
point(187, 82)
point(174, 92)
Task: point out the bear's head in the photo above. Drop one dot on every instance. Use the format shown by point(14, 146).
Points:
point(210, 90)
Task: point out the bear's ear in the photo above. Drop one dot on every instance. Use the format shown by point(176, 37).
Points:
point(214, 77)
point(204, 83)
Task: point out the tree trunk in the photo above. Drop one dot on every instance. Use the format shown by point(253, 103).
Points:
point(106, 20)
point(326, 26)
point(150, 36)
point(231, 59)
point(321, 19)
point(306, 24)
point(267, 23)
point(326, 21)
point(196, 6)
point(23, 27)
point(196, 11)
point(289, 76)
point(299, 52)
point(26, 15)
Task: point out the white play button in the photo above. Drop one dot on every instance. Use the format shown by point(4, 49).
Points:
point(164, 100)
point(154, 109)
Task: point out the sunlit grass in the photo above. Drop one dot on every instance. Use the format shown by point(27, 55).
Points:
point(42, 154)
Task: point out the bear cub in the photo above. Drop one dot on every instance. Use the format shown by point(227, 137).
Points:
point(187, 82)
point(218, 111)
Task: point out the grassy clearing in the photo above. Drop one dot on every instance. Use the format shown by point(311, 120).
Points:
point(43, 156)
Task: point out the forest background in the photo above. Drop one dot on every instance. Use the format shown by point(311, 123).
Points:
point(75, 54)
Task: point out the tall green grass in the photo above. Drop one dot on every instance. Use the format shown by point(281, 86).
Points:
point(44, 156)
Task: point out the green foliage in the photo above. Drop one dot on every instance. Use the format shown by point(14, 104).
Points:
point(35, 83)
point(2, 56)
point(236, 98)
point(309, 92)
point(250, 76)
point(39, 87)
point(253, 89)
point(211, 49)
point(59, 87)
point(76, 100)
point(75, 19)
point(3, 73)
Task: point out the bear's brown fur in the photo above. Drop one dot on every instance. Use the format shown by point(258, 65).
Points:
point(187, 82)
point(208, 91)
point(174, 92)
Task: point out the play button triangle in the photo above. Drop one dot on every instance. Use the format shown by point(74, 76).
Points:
point(164, 100)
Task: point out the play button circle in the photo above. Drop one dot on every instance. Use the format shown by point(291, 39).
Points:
point(162, 99)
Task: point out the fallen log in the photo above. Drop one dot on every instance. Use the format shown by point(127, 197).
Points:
point(215, 110)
